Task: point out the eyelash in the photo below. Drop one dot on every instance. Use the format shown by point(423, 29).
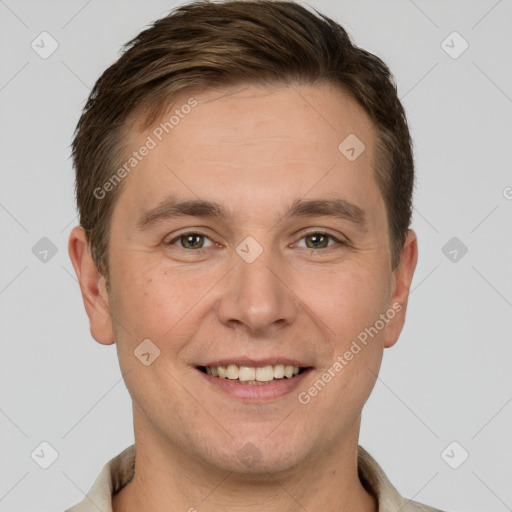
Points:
point(322, 233)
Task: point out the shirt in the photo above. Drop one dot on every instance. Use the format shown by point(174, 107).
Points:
point(119, 471)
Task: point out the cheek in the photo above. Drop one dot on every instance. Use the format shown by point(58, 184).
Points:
point(157, 302)
point(350, 303)
point(348, 299)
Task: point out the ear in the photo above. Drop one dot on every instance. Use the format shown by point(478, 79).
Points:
point(92, 286)
point(402, 278)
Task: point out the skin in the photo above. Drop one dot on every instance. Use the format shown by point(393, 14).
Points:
point(254, 150)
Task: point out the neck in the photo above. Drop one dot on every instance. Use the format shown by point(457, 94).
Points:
point(167, 479)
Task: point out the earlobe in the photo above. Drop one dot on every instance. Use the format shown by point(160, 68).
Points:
point(402, 278)
point(92, 287)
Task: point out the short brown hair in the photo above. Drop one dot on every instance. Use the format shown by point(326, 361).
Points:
point(204, 44)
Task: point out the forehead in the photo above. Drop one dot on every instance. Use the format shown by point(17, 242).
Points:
point(256, 144)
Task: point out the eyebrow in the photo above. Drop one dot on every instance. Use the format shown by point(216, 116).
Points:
point(172, 208)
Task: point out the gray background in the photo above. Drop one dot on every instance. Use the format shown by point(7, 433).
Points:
point(446, 380)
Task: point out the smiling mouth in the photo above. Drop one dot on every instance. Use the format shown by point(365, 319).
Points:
point(250, 375)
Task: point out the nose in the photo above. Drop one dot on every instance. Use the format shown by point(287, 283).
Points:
point(257, 296)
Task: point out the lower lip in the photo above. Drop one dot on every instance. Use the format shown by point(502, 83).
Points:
point(257, 392)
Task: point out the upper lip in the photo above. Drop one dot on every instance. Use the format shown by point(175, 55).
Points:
point(244, 361)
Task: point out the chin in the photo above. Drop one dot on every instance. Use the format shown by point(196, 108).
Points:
point(258, 455)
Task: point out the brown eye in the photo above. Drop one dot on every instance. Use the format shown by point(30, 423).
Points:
point(316, 240)
point(320, 240)
point(190, 241)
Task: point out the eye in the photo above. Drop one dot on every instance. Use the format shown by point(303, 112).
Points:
point(319, 240)
point(191, 241)
point(313, 240)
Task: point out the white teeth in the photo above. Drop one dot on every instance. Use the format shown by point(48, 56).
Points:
point(278, 371)
point(251, 374)
point(246, 373)
point(232, 372)
point(265, 373)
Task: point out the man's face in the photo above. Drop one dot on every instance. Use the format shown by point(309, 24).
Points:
point(257, 287)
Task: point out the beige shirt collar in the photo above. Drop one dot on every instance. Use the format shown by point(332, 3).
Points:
point(119, 471)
